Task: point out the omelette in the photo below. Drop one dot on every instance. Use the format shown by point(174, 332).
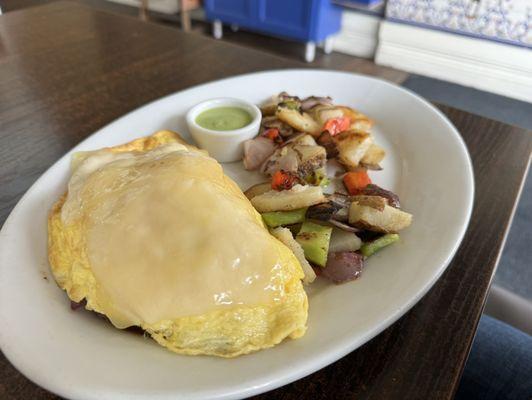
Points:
point(153, 234)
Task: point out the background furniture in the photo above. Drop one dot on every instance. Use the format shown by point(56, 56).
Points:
point(310, 21)
point(164, 6)
point(47, 107)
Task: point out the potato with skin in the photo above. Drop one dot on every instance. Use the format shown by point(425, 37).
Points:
point(297, 158)
point(359, 121)
point(302, 122)
point(257, 189)
point(284, 200)
point(373, 156)
point(285, 237)
point(323, 113)
point(351, 146)
point(374, 213)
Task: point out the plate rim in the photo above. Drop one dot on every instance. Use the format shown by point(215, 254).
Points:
point(343, 347)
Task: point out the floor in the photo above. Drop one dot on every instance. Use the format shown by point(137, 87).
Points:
point(515, 268)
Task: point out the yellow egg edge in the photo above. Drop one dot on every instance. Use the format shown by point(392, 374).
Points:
point(240, 330)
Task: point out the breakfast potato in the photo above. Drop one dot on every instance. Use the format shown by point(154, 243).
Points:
point(323, 113)
point(352, 146)
point(363, 125)
point(359, 121)
point(285, 236)
point(374, 213)
point(343, 241)
point(305, 140)
point(298, 197)
point(373, 156)
point(311, 158)
point(257, 189)
point(302, 122)
point(294, 157)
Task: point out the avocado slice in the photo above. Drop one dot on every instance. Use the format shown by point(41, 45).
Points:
point(277, 218)
point(314, 239)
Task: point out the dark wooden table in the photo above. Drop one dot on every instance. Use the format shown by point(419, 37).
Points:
point(67, 70)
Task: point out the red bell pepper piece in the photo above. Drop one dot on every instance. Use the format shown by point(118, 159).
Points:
point(337, 125)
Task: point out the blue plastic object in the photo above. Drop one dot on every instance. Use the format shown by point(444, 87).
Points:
point(303, 20)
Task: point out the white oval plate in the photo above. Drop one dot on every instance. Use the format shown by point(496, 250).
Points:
point(79, 356)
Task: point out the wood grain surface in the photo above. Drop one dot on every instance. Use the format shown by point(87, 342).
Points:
point(67, 70)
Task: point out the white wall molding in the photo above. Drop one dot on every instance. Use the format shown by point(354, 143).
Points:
point(358, 35)
point(484, 65)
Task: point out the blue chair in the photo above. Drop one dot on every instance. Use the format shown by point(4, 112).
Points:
point(309, 21)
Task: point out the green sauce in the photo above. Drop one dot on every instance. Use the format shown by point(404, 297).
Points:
point(224, 118)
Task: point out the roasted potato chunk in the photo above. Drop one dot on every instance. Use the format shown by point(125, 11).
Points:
point(302, 122)
point(323, 113)
point(297, 158)
point(297, 197)
point(285, 236)
point(376, 215)
point(257, 189)
point(373, 156)
point(359, 121)
point(351, 146)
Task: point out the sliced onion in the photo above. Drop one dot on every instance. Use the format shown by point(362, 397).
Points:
point(312, 101)
point(345, 227)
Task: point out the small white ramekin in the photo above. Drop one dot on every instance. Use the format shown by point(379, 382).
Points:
point(224, 146)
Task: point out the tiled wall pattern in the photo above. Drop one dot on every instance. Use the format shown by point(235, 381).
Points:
point(502, 20)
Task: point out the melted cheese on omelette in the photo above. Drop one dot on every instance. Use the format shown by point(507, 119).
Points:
point(153, 234)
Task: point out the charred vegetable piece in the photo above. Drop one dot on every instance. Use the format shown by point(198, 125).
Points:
point(374, 190)
point(335, 211)
point(287, 100)
point(343, 266)
point(356, 181)
point(257, 189)
point(317, 177)
point(326, 140)
point(313, 101)
point(297, 197)
point(339, 199)
point(337, 125)
point(371, 248)
point(323, 211)
point(290, 104)
point(268, 109)
point(274, 122)
point(300, 159)
point(285, 236)
point(277, 218)
point(343, 241)
point(294, 229)
point(284, 180)
point(314, 239)
point(273, 134)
